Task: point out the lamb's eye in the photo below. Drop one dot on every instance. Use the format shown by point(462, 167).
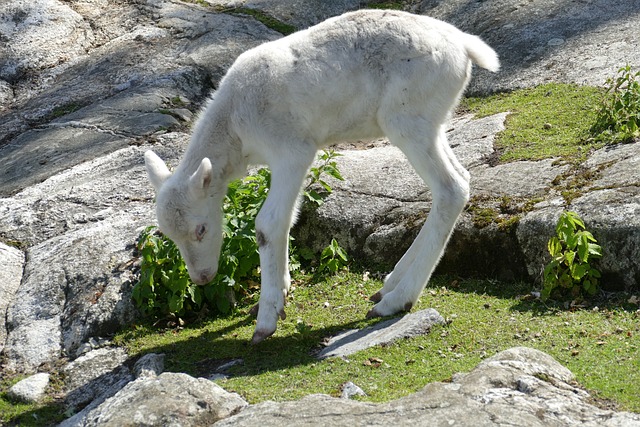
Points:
point(201, 230)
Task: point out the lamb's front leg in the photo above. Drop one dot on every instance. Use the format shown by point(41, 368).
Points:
point(272, 235)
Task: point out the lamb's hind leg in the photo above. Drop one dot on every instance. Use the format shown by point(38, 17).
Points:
point(272, 235)
point(432, 160)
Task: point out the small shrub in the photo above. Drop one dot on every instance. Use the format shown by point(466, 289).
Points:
point(333, 258)
point(618, 119)
point(572, 251)
point(164, 287)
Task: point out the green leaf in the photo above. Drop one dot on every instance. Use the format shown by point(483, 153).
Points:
point(314, 196)
point(175, 304)
point(578, 271)
point(569, 256)
point(595, 250)
point(554, 246)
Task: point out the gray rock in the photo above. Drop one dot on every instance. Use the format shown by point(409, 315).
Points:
point(383, 333)
point(518, 384)
point(33, 320)
point(378, 210)
point(515, 180)
point(59, 306)
point(12, 261)
point(543, 41)
point(350, 390)
point(156, 51)
point(615, 223)
point(30, 389)
point(60, 34)
point(95, 376)
point(90, 297)
point(299, 13)
point(149, 365)
point(185, 401)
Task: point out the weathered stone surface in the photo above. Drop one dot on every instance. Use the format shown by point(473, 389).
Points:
point(149, 365)
point(376, 212)
point(515, 180)
point(169, 399)
point(93, 375)
point(616, 226)
point(59, 306)
point(518, 384)
point(299, 13)
point(12, 262)
point(42, 34)
point(350, 390)
point(542, 41)
point(164, 52)
point(30, 389)
point(383, 333)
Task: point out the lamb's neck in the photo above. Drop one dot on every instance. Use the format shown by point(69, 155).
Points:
point(212, 138)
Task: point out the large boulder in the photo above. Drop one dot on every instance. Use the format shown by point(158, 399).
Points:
point(165, 56)
point(542, 41)
point(518, 384)
point(168, 399)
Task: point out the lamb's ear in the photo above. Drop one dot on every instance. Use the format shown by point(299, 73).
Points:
point(157, 171)
point(201, 178)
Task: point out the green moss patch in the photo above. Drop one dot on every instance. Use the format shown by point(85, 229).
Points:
point(551, 120)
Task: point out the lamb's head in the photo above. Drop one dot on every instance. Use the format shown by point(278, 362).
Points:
point(189, 213)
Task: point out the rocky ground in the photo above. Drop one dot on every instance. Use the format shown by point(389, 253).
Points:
point(86, 86)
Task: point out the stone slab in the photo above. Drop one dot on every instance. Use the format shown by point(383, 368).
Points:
point(383, 333)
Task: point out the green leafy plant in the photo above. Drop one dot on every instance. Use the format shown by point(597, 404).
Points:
point(327, 166)
point(239, 256)
point(572, 251)
point(618, 118)
point(333, 258)
point(164, 287)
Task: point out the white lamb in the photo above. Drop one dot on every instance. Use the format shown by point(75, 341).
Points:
point(364, 74)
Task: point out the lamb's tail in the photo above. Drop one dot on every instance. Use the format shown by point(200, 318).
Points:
point(481, 53)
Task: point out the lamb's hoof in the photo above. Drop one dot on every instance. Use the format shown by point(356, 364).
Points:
point(282, 314)
point(377, 297)
point(373, 314)
point(408, 306)
point(260, 335)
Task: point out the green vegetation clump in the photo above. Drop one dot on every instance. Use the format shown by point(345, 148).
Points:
point(572, 252)
point(267, 20)
point(393, 5)
point(618, 119)
point(164, 287)
point(551, 120)
point(63, 110)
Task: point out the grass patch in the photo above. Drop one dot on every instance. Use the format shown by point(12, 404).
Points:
point(600, 345)
point(551, 120)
